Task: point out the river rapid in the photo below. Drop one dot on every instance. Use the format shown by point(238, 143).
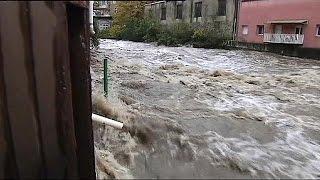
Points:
point(206, 113)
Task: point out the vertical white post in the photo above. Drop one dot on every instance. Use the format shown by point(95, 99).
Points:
point(91, 16)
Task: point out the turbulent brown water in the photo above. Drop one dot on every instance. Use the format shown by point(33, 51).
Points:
point(206, 113)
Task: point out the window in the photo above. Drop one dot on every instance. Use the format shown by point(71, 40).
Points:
point(278, 29)
point(163, 12)
point(102, 3)
point(299, 30)
point(260, 29)
point(245, 29)
point(222, 7)
point(318, 30)
point(198, 9)
point(179, 11)
point(104, 26)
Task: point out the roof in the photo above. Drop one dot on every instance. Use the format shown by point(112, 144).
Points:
point(288, 22)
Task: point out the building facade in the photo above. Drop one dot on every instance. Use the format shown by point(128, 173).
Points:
point(195, 11)
point(103, 13)
point(280, 22)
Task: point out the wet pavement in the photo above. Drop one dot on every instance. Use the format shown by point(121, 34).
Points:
point(209, 113)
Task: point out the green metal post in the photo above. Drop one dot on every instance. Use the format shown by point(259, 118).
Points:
point(105, 77)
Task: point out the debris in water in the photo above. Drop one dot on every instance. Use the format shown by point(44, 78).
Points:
point(134, 84)
point(218, 73)
point(253, 82)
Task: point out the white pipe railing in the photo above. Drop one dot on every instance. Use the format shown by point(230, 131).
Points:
point(91, 16)
point(284, 38)
point(107, 121)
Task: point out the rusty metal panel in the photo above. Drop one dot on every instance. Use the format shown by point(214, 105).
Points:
point(45, 91)
point(19, 82)
point(80, 67)
point(44, 27)
point(8, 167)
point(65, 111)
point(3, 138)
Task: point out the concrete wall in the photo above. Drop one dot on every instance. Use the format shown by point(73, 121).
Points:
point(253, 13)
point(209, 12)
point(282, 49)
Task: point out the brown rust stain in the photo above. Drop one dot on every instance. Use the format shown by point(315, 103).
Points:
point(37, 120)
point(20, 100)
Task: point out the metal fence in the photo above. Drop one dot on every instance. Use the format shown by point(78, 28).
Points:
point(284, 38)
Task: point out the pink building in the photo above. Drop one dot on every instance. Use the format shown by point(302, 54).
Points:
point(295, 22)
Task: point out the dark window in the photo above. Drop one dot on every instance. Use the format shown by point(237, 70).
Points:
point(103, 3)
point(197, 9)
point(179, 11)
point(260, 29)
point(299, 30)
point(163, 12)
point(222, 7)
point(318, 30)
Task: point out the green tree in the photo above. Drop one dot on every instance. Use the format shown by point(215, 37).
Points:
point(128, 11)
point(126, 21)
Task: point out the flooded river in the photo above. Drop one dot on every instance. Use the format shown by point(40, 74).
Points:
point(207, 113)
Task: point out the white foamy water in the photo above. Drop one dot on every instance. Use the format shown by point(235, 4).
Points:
point(264, 91)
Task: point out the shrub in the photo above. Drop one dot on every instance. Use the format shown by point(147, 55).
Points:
point(135, 30)
point(182, 32)
point(154, 28)
point(114, 32)
point(129, 24)
point(104, 34)
point(166, 38)
point(177, 34)
point(212, 36)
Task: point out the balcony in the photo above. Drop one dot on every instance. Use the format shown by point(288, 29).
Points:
point(284, 38)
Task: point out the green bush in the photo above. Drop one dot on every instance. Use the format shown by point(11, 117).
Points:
point(182, 32)
point(153, 29)
point(210, 37)
point(177, 34)
point(140, 30)
point(114, 32)
point(149, 30)
point(111, 33)
point(166, 38)
point(129, 31)
point(129, 24)
point(104, 34)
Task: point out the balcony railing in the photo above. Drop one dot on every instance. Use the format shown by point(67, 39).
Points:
point(284, 38)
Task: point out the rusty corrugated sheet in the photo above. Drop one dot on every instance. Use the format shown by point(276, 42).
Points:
point(45, 91)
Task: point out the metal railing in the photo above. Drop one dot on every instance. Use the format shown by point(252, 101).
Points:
point(284, 38)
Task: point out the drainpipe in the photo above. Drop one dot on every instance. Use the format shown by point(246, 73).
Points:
point(91, 17)
point(236, 19)
point(107, 121)
point(191, 11)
